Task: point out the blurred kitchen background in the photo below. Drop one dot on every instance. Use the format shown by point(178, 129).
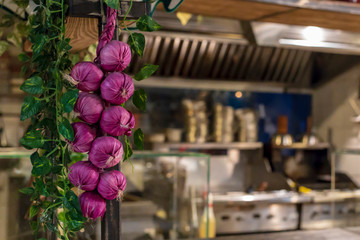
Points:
point(258, 111)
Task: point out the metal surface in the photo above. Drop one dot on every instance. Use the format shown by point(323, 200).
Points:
point(233, 145)
point(220, 84)
point(234, 217)
point(318, 215)
point(263, 197)
point(187, 57)
point(352, 233)
point(204, 56)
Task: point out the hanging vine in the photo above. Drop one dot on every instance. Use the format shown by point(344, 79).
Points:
point(51, 97)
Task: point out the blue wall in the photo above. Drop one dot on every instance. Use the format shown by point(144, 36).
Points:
point(297, 107)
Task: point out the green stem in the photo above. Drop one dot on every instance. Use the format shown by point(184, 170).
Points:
point(54, 150)
point(45, 98)
point(128, 11)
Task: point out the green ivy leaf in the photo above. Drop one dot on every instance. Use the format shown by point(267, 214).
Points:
point(38, 43)
point(66, 129)
point(32, 139)
point(33, 85)
point(112, 3)
point(147, 24)
point(34, 210)
point(68, 100)
point(23, 57)
point(34, 226)
point(29, 108)
point(71, 202)
point(139, 99)
point(75, 225)
point(41, 165)
point(3, 47)
point(146, 71)
point(23, 70)
point(139, 139)
point(22, 3)
point(127, 150)
point(52, 227)
point(27, 190)
point(40, 187)
point(137, 43)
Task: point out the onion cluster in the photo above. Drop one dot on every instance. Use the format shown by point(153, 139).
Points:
point(103, 88)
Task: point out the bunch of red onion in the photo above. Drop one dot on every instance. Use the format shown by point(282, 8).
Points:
point(103, 88)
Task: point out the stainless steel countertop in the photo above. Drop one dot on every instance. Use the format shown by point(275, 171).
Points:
point(351, 233)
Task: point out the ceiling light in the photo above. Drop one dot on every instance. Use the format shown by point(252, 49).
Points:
point(313, 34)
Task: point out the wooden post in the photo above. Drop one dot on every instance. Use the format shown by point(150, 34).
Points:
point(110, 224)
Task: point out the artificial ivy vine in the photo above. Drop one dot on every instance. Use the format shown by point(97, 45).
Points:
point(55, 207)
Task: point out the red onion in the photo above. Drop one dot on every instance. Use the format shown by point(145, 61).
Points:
point(106, 152)
point(88, 76)
point(84, 136)
point(92, 205)
point(117, 121)
point(89, 106)
point(84, 175)
point(115, 56)
point(117, 88)
point(112, 184)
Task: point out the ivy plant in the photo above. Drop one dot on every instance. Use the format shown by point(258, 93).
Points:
point(50, 98)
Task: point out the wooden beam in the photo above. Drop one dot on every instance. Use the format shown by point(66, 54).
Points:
point(235, 9)
point(266, 12)
point(325, 19)
point(82, 31)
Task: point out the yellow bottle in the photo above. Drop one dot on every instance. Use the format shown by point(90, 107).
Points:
point(204, 224)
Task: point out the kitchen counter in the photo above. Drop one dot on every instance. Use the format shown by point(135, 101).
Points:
point(350, 233)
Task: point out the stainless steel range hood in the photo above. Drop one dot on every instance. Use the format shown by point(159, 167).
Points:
point(229, 51)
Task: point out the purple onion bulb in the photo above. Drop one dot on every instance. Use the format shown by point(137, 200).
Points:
point(117, 88)
point(84, 136)
point(115, 56)
point(117, 121)
point(106, 152)
point(89, 106)
point(84, 175)
point(92, 205)
point(87, 75)
point(111, 185)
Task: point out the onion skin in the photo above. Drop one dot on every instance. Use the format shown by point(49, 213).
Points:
point(117, 88)
point(88, 76)
point(115, 56)
point(117, 121)
point(89, 106)
point(111, 184)
point(92, 205)
point(84, 136)
point(84, 175)
point(106, 152)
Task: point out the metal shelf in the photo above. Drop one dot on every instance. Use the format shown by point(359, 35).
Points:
point(210, 145)
point(302, 146)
